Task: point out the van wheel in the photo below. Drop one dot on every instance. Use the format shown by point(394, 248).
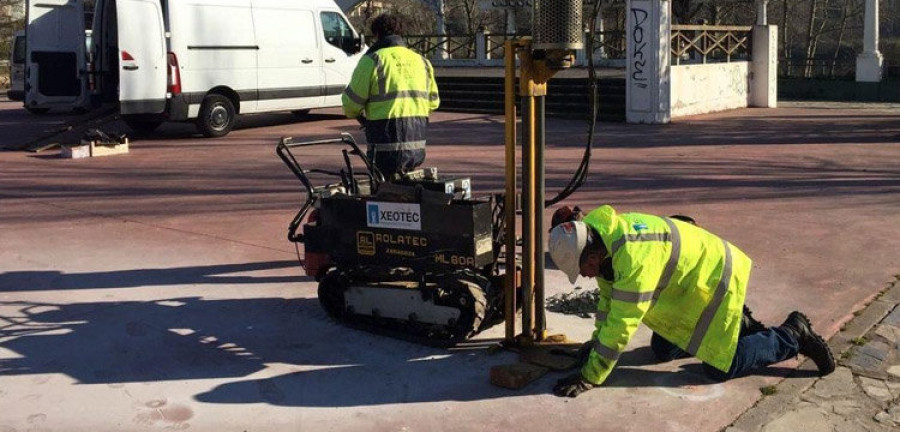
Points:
point(141, 126)
point(38, 111)
point(216, 116)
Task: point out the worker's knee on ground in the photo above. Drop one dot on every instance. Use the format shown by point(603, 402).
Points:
point(715, 374)
point(665, 350)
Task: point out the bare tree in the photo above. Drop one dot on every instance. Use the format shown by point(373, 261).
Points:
point(368, 10)
point(687, 11)
point(11, 20)
point(466, 16)
point(849, 9)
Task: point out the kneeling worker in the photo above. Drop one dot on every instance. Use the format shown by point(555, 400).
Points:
point(685, 284)
point(392, 93)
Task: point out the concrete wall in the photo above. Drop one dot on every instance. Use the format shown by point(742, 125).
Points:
point(704, 88)
point(764, 67)
point(648, 29)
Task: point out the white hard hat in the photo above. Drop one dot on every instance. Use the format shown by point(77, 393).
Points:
point(567, 240)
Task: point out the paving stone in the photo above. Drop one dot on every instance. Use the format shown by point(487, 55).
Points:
point(806, 419)
point(887, 331)
point(895, 414)
point(894, 370)
point(812, 398)
point(850, 425)
point(876, 389)
point(839, 383)
point(845, 408)
point(877, 349)
point(864, 362)
point(893, 318)
point(884, 418)
point(894, 387)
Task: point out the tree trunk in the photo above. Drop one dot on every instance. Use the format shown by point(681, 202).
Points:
point(786, 32)
point(817, 35)
point(811, 23)
point(840, 40)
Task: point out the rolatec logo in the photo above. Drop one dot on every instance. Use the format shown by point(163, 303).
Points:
point(393, 215)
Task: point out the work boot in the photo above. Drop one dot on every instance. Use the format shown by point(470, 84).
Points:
point(750, 325)
point(811, 344)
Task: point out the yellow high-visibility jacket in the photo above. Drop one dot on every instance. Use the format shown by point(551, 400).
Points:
point(394, 87)
point(683, 282)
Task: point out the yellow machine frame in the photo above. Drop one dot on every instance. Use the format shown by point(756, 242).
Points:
point(533, 76)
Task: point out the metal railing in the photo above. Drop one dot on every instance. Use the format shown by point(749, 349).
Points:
point(495, 44)
point(842, 68)
point(690, 44)
point(443, 47)
point(487, 49)
point(609, 44)
point(892, 71)
point(710, 44)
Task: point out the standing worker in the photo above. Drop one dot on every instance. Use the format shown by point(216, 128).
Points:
point(684, 283)
point(392, 92)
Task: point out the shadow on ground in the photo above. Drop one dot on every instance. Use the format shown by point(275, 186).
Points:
point(318, 362)
point(850, 126)
point(169, 131)
point(37, 280)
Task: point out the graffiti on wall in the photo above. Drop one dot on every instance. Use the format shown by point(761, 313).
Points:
point(638, 36)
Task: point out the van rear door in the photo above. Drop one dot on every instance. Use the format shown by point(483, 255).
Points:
point(142, 57)
point(54, 55)
point(16, 90)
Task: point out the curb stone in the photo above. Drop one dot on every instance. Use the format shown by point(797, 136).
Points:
point(799, 403)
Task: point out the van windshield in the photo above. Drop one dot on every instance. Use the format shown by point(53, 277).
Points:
point(18, 56)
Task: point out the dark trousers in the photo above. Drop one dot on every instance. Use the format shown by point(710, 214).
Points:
point(754, 352)
point(393, 163)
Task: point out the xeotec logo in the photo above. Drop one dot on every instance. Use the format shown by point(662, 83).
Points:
point(393, 215)
point(373, 214)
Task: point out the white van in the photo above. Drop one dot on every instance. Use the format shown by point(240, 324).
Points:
point(17, 76)
point(209, 60)
point(16, 90)
point(55, 56)
point(17, 67)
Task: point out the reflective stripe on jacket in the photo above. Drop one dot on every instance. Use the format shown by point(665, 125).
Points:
point(394, 86)
point(683, 282)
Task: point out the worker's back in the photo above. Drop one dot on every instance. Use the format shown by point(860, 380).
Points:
point(693, 276)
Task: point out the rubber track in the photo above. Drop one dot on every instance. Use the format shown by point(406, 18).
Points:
point(475, 284)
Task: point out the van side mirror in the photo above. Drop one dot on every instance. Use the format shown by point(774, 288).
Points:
point(351, 45)
point(359, 43)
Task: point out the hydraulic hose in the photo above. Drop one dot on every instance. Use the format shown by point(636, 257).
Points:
point(581, 173)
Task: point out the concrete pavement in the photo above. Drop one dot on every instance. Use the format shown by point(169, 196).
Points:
point(157, 289)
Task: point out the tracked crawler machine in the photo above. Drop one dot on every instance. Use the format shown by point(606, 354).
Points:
point(416, 258)
point(420, 257)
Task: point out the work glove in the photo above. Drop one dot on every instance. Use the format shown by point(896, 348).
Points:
point(572, 386)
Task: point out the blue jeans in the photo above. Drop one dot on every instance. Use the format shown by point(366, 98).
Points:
point(754, 352)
